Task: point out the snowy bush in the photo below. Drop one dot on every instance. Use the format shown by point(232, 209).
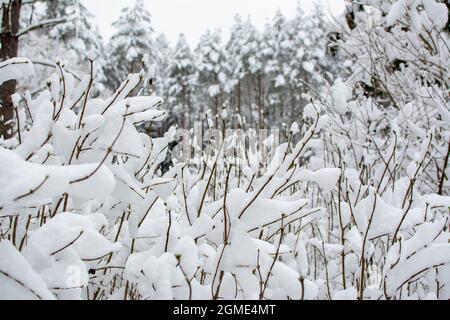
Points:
point(354, 204)
point(387, 127)
point(83, 215)
point(75, 167)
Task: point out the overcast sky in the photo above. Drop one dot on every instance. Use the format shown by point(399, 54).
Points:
point(194, 17)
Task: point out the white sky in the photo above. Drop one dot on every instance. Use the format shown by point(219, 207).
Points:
point(194, 17)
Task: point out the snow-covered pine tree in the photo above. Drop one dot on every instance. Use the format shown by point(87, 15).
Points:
point(238, 72)
point(213, 66)
point(308, 60)
point(80, 33)
point(181, 82)
point(277, 48)
point(131, 45)
point(246, 69)
point(160, 64)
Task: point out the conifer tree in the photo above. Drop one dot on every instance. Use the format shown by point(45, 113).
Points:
point(161, 63)
point(181, 82)
point(131, 45)
point(213, 66)
point(277, 45)
point(246, 66)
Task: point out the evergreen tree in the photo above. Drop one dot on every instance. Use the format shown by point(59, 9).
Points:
point(307, 56)
point(79, 33)
point(246, 66)
point(181, 82)
point(161, 63)
point(131, 44)
point(276, 46)
point(213, 66)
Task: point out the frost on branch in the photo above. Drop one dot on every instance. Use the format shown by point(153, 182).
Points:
point(72, 160)
point(353, 204)
point(387, 126)
point(90, 210)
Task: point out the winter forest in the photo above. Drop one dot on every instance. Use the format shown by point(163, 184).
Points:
point(306, 160)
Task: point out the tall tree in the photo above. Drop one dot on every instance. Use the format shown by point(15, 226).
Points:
point(9, 48)
point(181, 82)
point(213, 66)
point(80, 33)
point(307, 56)
point(131, 43)
point(277, 46)
point(161, 62)
point(246, 68)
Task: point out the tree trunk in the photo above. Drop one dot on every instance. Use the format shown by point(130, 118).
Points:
point(260, 102)
point(9, 49)
point(216, 111)
point(190, 117)
point(239, 97)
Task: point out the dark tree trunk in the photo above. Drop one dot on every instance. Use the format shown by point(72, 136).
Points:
point(9, 49)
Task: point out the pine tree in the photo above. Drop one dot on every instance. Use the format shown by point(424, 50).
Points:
point(213, 66)
point(161, 63)
point(246, 66)
point(130, 44)
point(277, 45)
point(80, 34)
point(307, 56)
point(182, 77)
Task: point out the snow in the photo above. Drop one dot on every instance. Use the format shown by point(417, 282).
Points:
point(295, 128)
point(327, 179)
point(398, 9)
point(15, 68)
point(341, 95)
point(18, 280)
point(435, 200)
point(39, 133)
point(25, 183)
point(348, 294)
point(308, 66)
point(437, 12)
point(165, 183)
point(422, 261)
point(80, 233)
